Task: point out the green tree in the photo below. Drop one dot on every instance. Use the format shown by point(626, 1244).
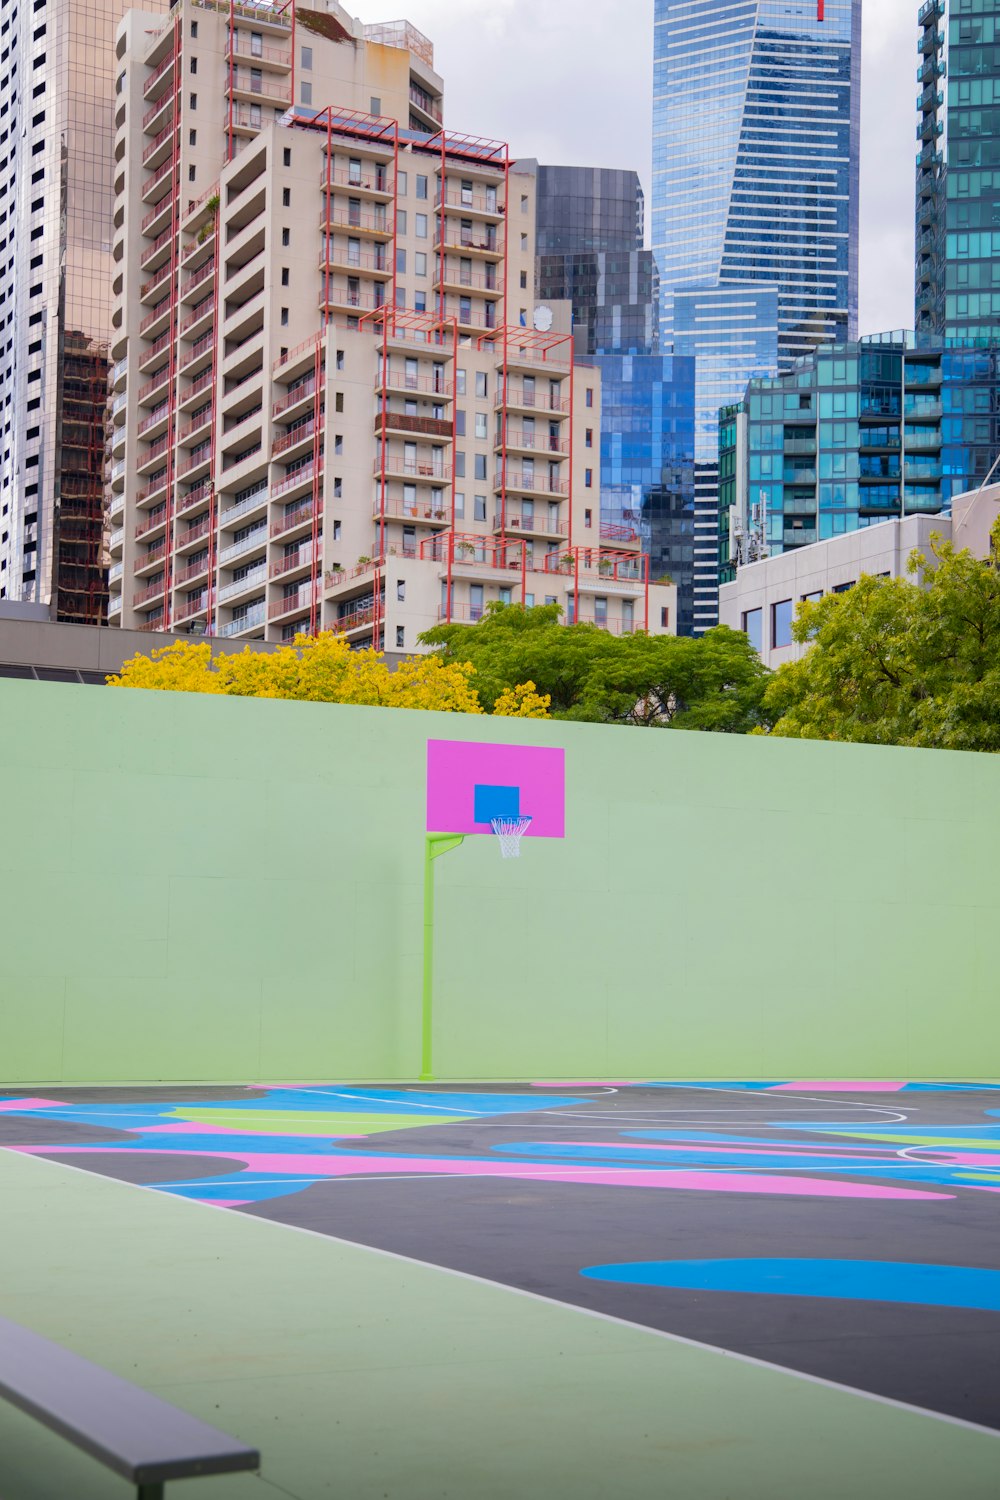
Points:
point(892, 662)
point(716, 682)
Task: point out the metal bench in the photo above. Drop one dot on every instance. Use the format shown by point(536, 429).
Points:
point(140, 1437)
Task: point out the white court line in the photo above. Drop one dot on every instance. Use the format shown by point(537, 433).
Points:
point(571, 1307)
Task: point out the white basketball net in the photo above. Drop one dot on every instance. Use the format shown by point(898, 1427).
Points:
point(509, 831)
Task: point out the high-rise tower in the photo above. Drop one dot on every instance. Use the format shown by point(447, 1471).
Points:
point(958, 171)
point(334, 406)
point(756, 115)
point(57, 105)
point(590, 253)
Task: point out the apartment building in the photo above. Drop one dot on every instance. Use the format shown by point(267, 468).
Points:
point(57, 79)
point(333, 406)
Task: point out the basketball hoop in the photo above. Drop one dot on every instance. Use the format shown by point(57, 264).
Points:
point(509, 831)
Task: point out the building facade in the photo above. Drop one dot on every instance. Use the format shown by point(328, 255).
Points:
point(333, 408)
point(756, 124)
point(590, 255)
point(57, 87)
point(763, 598)
point(958, 171)
point(888, 427)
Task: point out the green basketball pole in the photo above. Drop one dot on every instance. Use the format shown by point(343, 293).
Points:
point(435, 845)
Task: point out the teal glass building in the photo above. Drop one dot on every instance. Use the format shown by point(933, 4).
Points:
point(871, 431)
point(958, 170)
point(756, 127)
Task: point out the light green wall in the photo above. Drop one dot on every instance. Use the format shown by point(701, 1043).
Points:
point(202, 888)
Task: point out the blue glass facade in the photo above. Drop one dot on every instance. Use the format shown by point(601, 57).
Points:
point(647, 463)
point(861, 433)
point(958, 170)
point(756, 126)
point(589, 241)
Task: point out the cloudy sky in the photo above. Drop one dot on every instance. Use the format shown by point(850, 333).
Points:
point(570, 81)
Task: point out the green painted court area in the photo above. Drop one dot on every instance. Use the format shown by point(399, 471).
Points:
point(368, 1376)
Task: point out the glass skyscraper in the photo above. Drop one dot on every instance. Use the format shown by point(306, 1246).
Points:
point(756, 124)
point(892, 426)
point(958, 171)
point(590, 253)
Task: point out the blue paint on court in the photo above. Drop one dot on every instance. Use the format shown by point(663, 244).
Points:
point(858, 1280)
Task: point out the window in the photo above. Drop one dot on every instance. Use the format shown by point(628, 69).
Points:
point(194, 28)
point(286, 197)
point(589, 400)
point(401, 184)
point(588, 478)
point(191, 174)
point(192, 137)
point(506, 596)
point(286, 156)
point(401, 221)
point(284, 317)
point(340, 359)
point(194, 65)
point(256, 44)
point(284, 276)
point(479, 510)
point(588, 518)
point(421, 186)
point(665, 618)
point(401, 262)
point(781, 624)
point(481, 431)
point(481, 468)
point(813, 598)
point(286, 237)
point(482, 390)
point(306, 93)
point(524, 203)
point(401, 590)
point(459, 504)
point(375, 105)
point(601, 612)
point(419, 301)
point(420, 226)
point(192, 101)
point(589, 439)
point(307, 58)
point(524, 281)
point(459, 465)
point(843, 588)
point(475, 601)
point(752, 626)
point(400, 636)
point(420, 263)
point(338, 401)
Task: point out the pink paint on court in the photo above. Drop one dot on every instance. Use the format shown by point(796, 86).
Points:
point(13, 1105)
point(325, 1168)
point(824, 1086)
point(456, 767)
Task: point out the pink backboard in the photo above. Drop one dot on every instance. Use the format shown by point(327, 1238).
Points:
point(469, 783)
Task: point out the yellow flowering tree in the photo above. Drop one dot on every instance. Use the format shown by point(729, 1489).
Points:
point(522, 702)
point(320, 669)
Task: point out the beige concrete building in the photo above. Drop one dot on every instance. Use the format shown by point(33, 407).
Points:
point(336, 405)
point(764, 597)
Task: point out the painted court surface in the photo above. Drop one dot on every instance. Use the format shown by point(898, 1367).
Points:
point(847, 1233)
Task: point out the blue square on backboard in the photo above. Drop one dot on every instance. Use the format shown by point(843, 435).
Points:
point(496, 802)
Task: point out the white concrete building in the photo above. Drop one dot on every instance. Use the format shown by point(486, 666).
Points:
point(765, 595)
point(333, 406)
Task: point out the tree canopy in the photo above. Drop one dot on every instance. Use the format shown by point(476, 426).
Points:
point(324, 669)
point(715, 682)
point(893, 663)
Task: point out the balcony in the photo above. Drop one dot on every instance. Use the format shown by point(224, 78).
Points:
point(155, 254)
point(393, 421)
point(144, 562)
point(293, 520)
point(158, 81)
point(421, 100)
point(352, 263)
point(527, 523)
point(301, 478)
point(199, 320)
point(254, 579)
point(371, 181)
point(191, 573)
point(245, 85)
point(410, 510)
point(516, 438)
point(355, 619)
point(466, 202)
point(279, 58)
point(622, 536)
point(193, 536)
point(252, 505)
point(420, 473)
point(146, 596)
point(538, 484)
point(452, 280)
point(486, 247)
point(256, 542)
point(302, 559)
point(188, 608)
point(252, 619)
point(430, 385)
point(290, 604)
point(155, 188)
point(524, 398)
point(288, 404)
point(377, 226)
